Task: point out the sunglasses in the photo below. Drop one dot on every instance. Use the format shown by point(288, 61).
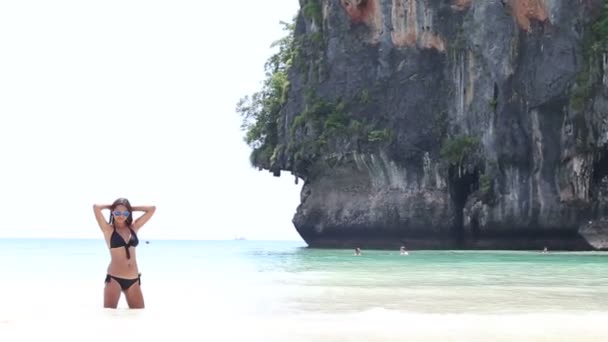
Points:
point(123, 213)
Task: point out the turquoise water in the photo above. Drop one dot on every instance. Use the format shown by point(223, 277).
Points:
point(285, 291)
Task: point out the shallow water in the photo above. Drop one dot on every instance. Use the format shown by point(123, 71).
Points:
point(267, 291)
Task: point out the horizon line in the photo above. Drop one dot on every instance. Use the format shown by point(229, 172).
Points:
point(152, 239)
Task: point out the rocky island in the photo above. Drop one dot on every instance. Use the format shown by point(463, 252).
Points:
point(440, 124)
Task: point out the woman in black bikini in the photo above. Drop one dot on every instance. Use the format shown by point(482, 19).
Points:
point(121, 236)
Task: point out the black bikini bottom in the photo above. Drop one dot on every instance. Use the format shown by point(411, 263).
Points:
point(124, 283)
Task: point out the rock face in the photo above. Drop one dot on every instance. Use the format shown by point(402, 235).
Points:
point(447, 124)
point(596, 233)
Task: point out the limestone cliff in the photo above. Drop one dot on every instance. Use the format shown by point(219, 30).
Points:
point(447, 123)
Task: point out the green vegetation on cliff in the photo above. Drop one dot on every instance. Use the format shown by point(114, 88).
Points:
point(261, 111)
point(600, 30)
point(322, 121)
point(595, 44)
point(312, 11)
point(322, 124)
point(457, 149)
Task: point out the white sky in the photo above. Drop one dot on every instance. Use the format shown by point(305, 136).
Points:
point(136, 99)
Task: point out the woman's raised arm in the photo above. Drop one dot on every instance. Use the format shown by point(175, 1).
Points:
point(148, 212)
point(103, 224)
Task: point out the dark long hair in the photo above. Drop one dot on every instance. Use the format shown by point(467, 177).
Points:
point(126, 203)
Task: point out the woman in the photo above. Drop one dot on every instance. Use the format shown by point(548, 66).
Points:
point(121, 237)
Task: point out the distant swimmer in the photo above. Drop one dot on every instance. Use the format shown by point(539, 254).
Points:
point(402, 251)
point(545, 250)
point(120, 234)
point(357, 251)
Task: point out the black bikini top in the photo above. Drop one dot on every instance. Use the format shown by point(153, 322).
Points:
point(117, 241)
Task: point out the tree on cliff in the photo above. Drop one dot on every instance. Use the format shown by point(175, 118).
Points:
point(260, 111)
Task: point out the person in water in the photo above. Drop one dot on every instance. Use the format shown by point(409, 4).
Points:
point(120, 234)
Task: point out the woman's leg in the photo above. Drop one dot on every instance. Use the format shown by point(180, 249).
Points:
point(111, 294)
point(134, 296)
